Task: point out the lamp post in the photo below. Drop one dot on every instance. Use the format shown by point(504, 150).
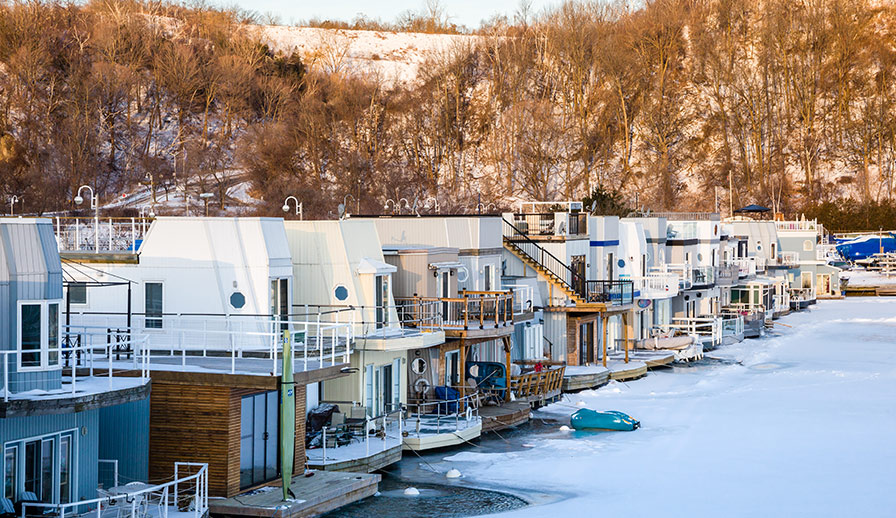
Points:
point(151, 211)
point(394, 205)
point(435, 202)
point(205, 197)
point(297, 203)
point(95, 205)
point(12, 203)
point(345, 203)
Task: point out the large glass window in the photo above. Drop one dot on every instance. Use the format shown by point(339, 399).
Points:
point(382, 300)
point(53, 334)
point(65, 468)
point(10, 472)
point(30, 324)
point(46, 470)
point(259, 438)
point(32, 467)
point(153, 304)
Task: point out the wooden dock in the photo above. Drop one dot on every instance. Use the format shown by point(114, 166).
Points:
point(621, 371)
point(313, 495)
point(585, 377)
point(870, 291)
point(360, 464)
point(508, 415)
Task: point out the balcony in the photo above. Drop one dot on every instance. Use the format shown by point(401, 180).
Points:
point(703, 276)
point(728, 275)
point(804, 225)
point(785, 260)
point(472, 314)
point(106, 235)
point(746, 266)
point(657, 285)
point(612, 293)
point(550, 225)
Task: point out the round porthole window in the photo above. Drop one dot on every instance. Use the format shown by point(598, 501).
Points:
point(341, 292)
point(621, 263)
point(237, 300)
point(699, 257)
point(418, 366)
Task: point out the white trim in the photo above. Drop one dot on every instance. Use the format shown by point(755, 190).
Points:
point(20, 461)
point(44, 350)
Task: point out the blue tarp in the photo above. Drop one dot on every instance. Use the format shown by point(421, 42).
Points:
point(866, 246)
point(450, 395)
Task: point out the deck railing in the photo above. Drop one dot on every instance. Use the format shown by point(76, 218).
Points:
point(386, 321)
point(683, 271)
point(702, 327)
point(703, 275)
point(523, 300)
point(425, 414)
point(616, 293)
point(100, 235)
point(82, 357)
point(186, 491)
point(732, 325)
point(539, 384)
point(469, 310)
point(727, 274)
point(657, 285)
point(786, 259)
point(802, 294)
point(390, 424)
point(747, 266)
point(552, 224)
point(191, 336)
point(809, 224)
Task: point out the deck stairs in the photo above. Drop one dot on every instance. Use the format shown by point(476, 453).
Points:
point(548, 266)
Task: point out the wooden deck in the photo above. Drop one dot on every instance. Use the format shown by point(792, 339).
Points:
point(538, 387)
point(314, 495)
point(621, 371)
point(508, 415)
point(585, 377)
point(375, 461)
point(869, 291)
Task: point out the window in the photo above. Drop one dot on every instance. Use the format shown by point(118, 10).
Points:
point(32, 467)
point(77, 293)
point(808, 245)
point(10, 472)
point(341, 292)
point(488, 272)
point(153, 297)
point(65, 469)
point(259, 438)
point(280, 301)
point(46, 470)
point(38, 334)
point(237, 300)
point(381, 289)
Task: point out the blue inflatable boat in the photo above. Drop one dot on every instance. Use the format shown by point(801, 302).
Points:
point(611, 420)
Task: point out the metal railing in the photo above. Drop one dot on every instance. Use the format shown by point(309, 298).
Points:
point(81, 360)
point(469, 310)
point(686, 216)
point(387, 425)
point(193, 336)
point(184, 492)
point(426, 415)
point(552, 266)
point(702, 327)
point(728, 274)
point(703, 275)
point(732, 325)
point(682, 271)
point(386, 321)
point(789, 259)
point(681, 230)
point(616, 293)
point(802, 294)
point(523, 300)
point(781, 301)
point(552, 224)
point(746, 266)
point(100, 235)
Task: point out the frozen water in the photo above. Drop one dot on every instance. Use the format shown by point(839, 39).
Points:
point(797, 424)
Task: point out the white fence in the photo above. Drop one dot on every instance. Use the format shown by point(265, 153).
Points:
point(701, 327)
point(656, 285)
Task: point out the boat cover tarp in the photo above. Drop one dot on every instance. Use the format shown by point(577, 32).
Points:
point(865, 246)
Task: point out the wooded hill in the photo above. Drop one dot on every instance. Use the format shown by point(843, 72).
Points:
point(784, 103)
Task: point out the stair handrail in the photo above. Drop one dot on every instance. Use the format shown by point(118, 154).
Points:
point(519, 233)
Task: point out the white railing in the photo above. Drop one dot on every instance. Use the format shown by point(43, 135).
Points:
point(732, 325)
point(657, 285)
point(802, 294)
point(747, 266)
point(389, 425)
point(682, 271)
point(809, 224)
point(523, 301)
point(681, 230)
point(113, 463)
point(781, 301)
point(787, 259)
point(100, 235)
point(703, 327)
point(387, 321)
point(184, 492)
point(83, 357)
point(196, 336)
point(436, 413)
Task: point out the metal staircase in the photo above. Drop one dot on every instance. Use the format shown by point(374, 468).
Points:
point(545, 263)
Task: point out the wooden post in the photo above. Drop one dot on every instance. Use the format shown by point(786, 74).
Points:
point(625, 334)
point(481, 311)
point(506, 341)
point(462, 375)
point(603, 323)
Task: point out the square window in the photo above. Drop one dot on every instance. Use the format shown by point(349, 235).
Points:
point(77, 293)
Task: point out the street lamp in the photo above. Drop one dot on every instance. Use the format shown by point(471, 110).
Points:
point(394, 205)
point(205, 197)
point(426, 203)
point(298, 206)
point(151, 211)
point(345, 203)
point(12, 202)
point(95, 205)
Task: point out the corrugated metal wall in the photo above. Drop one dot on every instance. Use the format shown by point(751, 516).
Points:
point(124, 436)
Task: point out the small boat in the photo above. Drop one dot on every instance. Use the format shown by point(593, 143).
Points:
point(611, 420)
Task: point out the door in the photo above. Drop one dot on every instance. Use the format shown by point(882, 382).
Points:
point(577, 264)
point(443, 289)
point(259, 438)
point(452, 369)
point(384, 395)
point(280, 302)
point(381, 287)
point(488, 272)
point(586, 342)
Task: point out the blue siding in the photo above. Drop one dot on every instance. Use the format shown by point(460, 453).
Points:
point(86, 445)
point(124, 436)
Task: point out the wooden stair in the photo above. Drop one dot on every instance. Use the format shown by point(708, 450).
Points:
point(548, 275)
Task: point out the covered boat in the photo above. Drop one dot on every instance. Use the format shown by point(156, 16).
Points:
point(865, 246)
point(611, 420)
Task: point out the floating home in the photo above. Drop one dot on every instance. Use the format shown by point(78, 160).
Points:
point(65, 428)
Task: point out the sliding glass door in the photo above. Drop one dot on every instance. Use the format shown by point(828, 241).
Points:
point(259, 439)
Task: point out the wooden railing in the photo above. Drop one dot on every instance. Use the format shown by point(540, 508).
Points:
point(537, 384)
point(469, 310)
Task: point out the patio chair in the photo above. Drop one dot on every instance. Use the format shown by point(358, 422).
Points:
point(6, 507)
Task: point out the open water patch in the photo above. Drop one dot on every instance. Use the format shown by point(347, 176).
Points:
point(433, 500)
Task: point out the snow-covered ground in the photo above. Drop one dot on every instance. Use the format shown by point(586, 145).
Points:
point(867, 278)
point(798, 424)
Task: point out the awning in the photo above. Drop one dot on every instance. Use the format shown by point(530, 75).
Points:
point(368, 265)
point(446, 265)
